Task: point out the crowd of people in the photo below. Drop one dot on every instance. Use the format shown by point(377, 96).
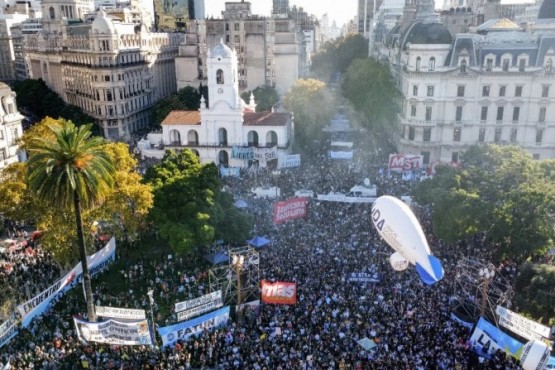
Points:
point(407, 322)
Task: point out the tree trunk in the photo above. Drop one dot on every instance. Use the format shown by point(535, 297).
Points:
point(83, 255)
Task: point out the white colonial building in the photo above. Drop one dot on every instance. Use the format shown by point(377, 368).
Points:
point(10, 127)
point(229, 128)
point(493, 86)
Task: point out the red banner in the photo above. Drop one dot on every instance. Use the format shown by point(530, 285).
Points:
point(405, 162)
point(278, 292)
point(289, 209)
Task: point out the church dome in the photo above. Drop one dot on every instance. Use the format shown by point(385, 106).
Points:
point(102, 24)
point(426, 33)
point(547, 10)
point(221, 50)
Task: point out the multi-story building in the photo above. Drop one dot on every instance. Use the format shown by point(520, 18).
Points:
point(269, 50)
point(112, 68)
point(365, 15)
point(10, 127)
point(497, 86)
point(18, 31)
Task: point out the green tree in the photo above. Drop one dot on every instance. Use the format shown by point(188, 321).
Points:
point(499, 190)
point(231, 224)
point(266, 98)
point(71, 171)
point(187, 98)
point(535, 293)
point(337, 56)
point(313, 107)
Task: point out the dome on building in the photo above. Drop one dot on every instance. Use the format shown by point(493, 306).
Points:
point(102, 23)
point(221, 50)
point(547, 10)
point(426, 33)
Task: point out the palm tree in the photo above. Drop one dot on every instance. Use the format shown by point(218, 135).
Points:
point(70, 168)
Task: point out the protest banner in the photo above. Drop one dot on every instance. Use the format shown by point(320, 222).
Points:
point(238, 152)
point(114, 332)
point(265, 154)
point(120, 313)
point(278, 292)
point(341, 155)
point(183, 330)
point(193, 307)
point(363, 277)
point(289, 161)
point(405, 162)
point(195, 311)
point(230, 171)
point(8, 330)
point(520, 325)
point(289, 209)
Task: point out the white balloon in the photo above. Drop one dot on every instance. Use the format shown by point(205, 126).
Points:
point(535, 355)
point(398, 262)
point(367, 182)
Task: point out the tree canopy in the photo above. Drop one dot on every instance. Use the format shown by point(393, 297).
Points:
point(500, 191)
point(534, 291)
point(266, 97)
point(337, 55)
point(189, 209)
point(187, 98)
point(313, 107)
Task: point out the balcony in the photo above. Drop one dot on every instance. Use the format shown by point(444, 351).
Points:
point(418, 122)
point(419, 143)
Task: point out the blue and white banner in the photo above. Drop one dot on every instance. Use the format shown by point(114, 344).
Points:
point(230, 171)
point(265, 154)
point(8, 330)
point(40, 303)
point(363, 277)
point(238, 152)
point(520, 325)
point(183, 330)
point(289, 161)
point(120, 313)
point(341, 155)
point(114, 332)
point(486, 338)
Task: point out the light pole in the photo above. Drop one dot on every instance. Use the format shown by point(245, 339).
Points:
point(237, 262)
point(486, 274)
point(276, 174)
point(150, 294)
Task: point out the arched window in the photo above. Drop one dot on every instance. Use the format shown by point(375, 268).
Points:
point(222, 137)
point(192, 137)
point(195, 152)
point(271, 139)
point(52, 13)
point(252, 138)
point(432, 64)
point(219, 77)
point(223, 158)
point(175, 137)
point(463, 66)
point(418, 63)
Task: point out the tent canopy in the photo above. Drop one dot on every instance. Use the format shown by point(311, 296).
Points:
point(259, 241)
point(217, 258)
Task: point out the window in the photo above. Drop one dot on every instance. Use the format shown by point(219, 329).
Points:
point(502, 90)
point(521, 64)
point(463, 66)
point(499, 114)
point(513, 135)
point(455, 157)
point(485, 90)
point(411, 133)
point(236, 26)
point(430, 91)
point(541, 118)
point(497, 137)
point(458, 114)
point(219, 77)
point(415, 90)
point(518, 90)
point(432, 64)
point(457, 134)
point(489, 64)
point(428, 114)
point(418, 60)
point(413, 110)
point(1, 135)
point(227, 38)
point(425, 157)
point(484, 114)
point(539, 136)
point(460, 90)
point(516, 114)
point(237, 39)
point(506, 64)
point(227, 26)
point(545, 91)
point(482, 135)
point(427, 134)
point(2, 154)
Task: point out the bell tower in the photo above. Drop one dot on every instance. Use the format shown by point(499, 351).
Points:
point(223, 85)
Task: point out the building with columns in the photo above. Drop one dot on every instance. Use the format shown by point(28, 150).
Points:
point(10, 127)
point(228, 126)
point(109, 65)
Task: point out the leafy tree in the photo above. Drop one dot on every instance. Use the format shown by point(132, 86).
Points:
point(500, 191)
point(71, 171)
point(187, 98)
point(313, 107)
point(232, 224)
point(534, 290)
point(337, 56)
point(17, 203)
point(266, 98)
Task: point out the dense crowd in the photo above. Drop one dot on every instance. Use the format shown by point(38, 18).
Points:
point(409, 322)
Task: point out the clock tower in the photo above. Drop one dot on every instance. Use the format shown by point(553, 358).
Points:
point(223, 85)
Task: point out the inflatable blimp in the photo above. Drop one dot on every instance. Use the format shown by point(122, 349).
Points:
point(535, 355)
point(398, 226)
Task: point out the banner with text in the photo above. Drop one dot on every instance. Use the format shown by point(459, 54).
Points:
point(230, 171)
point(486, 338)
point(120, 313)
point(405, 162)
point(265, 154)
point(289, 161)
point(289, 209)
point(239, 152)
point(8, 330)
point(363, 277)
point(40, 303)
point(194, 307)
point(183, 330)
point(279, 292)
point(114, 332)
point(341, 155)
point(521, 325)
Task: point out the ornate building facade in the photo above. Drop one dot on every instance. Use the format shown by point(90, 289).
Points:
point(10, 127)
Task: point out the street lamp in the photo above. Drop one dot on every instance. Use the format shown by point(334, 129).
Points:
point(237, 261)
point(150, 294)
point(486, 274)
point(276, 174)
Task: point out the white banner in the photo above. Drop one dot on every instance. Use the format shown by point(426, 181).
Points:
point(8, 330)
point(289, 161)
point(341, 155)
point(265, 154)
point(191, 312)
point(521, 325)
point(120, 313)
point(346, 144)
point(344, 198)
point(114, 332)
point(207, 298)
